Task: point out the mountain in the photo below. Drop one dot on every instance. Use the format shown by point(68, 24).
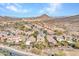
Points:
point(41, 17)
point(74, 18)
point(7, 18)
point(44, 17)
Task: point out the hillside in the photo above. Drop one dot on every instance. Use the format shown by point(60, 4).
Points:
point(42, 35)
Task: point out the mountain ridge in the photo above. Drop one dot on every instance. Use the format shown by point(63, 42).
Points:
point(43, 17)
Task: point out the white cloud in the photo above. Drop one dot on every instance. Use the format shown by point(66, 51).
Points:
point(18, 5)
point(42, 11)
point(13, 8)
point(16, 9)
point(52, 8)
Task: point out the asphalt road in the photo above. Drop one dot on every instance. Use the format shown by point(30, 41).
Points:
point(14, 52)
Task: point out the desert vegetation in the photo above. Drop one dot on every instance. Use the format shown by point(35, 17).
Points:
point(40, 35)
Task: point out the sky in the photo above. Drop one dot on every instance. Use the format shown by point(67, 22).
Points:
point(37, 9)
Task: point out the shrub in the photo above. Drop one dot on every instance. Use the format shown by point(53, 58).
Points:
point(22, 33)
point(64, 43)
point(35, 34)
point(36, 51)
point(22, 44)
point(22, 27)
point(57, 32)
point(58, 44)
point(59, 53)
point(71, 44)
point(5, 52)
point(10, 44)
point(61, 43)
point(46, 42)
point(45, 31)
point(76, 45)
point(5, 40)
point(39, 45)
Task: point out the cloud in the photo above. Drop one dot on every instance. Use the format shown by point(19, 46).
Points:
point(18, 5)
point(52, 8)
point(16, 8)
point(42, 11)
point(13, 8)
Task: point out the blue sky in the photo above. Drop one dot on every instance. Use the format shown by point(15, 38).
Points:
point(36, 9)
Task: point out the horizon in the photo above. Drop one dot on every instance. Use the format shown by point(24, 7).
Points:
point(39, 16)
point(24, 10)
